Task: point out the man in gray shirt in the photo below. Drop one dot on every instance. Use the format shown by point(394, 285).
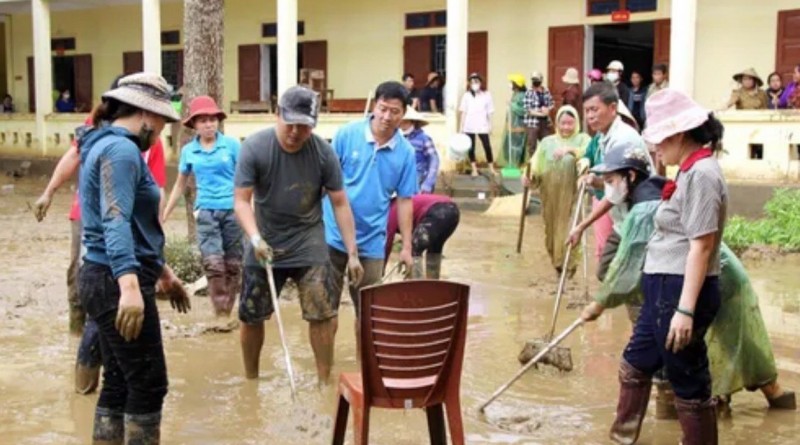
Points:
point(288, 167)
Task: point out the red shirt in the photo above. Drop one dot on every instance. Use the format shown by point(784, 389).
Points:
point(154, 157)
point(421, 203)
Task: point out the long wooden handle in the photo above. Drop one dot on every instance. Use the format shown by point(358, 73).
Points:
point(274, 295)
point(525, 196)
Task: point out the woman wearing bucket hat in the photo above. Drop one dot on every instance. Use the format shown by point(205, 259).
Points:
point(572, 94)
point(515, 136)
point(211, 157)
point(476, 110)
point(681, 271)
point(424, 149)
point(749, 96)
point(124, 257)
point(430, 98)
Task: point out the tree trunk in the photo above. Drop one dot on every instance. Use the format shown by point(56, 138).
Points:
point(203, 30)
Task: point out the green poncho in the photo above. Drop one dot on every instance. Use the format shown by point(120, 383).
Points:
point(557, 182)
point(739, 349)
point(515, 141)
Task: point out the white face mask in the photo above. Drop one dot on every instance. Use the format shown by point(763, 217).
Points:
point(612, 76)
point(616, 194)
point(407, 131)
point(475, 87)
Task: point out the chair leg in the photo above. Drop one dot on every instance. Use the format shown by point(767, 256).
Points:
point(436, 427)
point(454, 421)
point(360, 425)
point(340, 427)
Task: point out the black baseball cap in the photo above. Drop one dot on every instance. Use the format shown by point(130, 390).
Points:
point(623, 157)
point(298, 106)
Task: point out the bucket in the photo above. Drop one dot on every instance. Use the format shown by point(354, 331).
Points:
point(458, 146)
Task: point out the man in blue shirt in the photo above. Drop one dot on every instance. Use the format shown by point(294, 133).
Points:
point(377, 163)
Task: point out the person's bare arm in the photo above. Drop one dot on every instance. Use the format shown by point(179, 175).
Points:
point(177, 192)
point(65, 169)
point(242, 197)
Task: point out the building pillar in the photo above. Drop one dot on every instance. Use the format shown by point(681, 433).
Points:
point(683, 44)
point(287, 45)
point(456, 60)
point(43, 68)
point(151, 35)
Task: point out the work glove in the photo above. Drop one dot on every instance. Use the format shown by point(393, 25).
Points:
point(173, 288)
point(261, 249)
point(130, 315)
point(41, 206)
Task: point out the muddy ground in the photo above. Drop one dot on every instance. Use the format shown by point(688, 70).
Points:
point(211, 403)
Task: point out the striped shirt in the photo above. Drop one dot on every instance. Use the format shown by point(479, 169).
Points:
point(698, 207)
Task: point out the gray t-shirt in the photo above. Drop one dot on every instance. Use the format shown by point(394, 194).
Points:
point(698, 207)
point(288, 190)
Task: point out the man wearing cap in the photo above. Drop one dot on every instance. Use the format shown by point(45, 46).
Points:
point(377, 163)
point(614, 75)
point(285, 170)
point(539, 103)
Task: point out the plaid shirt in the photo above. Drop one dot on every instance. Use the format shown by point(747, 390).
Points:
point(534, 100)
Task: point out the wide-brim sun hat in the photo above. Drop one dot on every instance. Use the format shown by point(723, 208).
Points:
point(670, 112)
point(203, 106)
point(571, 76)
point(146, 91)
point(415, 116)
point(750, 72)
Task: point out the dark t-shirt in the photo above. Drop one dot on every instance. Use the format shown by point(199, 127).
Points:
point(428, 94)
point(288, 196)
point(413, 94)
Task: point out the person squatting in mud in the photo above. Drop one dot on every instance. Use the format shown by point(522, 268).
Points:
point(211, 157)
point(285, 171)
point(125, 258)
point(436, 217)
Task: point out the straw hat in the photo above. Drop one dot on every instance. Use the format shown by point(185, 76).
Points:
point(616, 65)
point(433, 75)
point(202, 106)
point(670, 112)
point(146, 91)
point(415, 116)
point(571, 76)
point(750, 72)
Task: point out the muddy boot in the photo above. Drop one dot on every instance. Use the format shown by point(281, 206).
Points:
point(87, 378)
point(777, 397)
point(433, 265)
point(698, 421)
point(77, 318)
point(233, 281)
point(217, 287)
point(109, 427)
point(143, 429)
point(665, 402)
point(634, 393)
point(417, 269)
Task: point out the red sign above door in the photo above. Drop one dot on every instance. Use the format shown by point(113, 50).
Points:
point(622, 15)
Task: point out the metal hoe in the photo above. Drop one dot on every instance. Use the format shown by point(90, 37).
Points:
point(274, 295)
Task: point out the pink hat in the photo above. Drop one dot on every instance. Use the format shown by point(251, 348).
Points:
point(595, 74)
point(670, 112)
point(202, 106)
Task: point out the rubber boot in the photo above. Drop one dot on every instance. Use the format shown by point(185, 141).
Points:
point(217, 287)
point(665, 402)
point(143, 429)
point(634, 393)
point(417, 269)
point(109, 427)
point(233, 281)
point(698, 420)
point(777, 397)
point(87, 378)
point(433, 265)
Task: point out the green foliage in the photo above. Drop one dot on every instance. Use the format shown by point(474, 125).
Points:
point(184, 258)
point(777, 229)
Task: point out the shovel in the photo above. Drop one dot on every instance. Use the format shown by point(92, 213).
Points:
point(525, 197)
point(533, 361)
point(560, 358)
point(274, 296)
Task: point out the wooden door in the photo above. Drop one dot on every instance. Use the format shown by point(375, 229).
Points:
point(417, 56)
point(565, 50)
point(661, 36)
point(179, 83)
point(132, 62)
point(250, 72)
point(315, 55)
point(83, 82)
point(478, 54)
point(787, 49)
point(31, 86)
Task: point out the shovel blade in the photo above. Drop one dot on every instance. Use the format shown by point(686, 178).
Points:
point(558, 357)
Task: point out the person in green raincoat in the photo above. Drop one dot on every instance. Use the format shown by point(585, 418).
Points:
point(553, 170)
point(515, 135)
point(739, 350)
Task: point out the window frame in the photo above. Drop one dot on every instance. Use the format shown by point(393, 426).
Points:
point(622, 5)
point(433, 19)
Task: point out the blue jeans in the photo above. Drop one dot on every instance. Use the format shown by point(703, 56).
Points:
point(218, 234)
point(686, 370)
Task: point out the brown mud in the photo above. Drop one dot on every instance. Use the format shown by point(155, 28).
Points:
point(210, 402)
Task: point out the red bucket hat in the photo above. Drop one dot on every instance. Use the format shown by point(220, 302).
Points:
point(203, 106)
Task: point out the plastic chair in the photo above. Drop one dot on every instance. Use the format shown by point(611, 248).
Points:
point(412, 336)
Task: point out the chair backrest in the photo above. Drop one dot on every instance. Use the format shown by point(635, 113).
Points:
point(412, 341)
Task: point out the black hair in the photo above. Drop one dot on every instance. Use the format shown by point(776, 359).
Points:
point(605, 91)
point(568, 113)
point(632, 184)
point(407, 76)
point(392, 90)
point(709, 133)
point(518, 87)
point(111, 110)
point(660, 67)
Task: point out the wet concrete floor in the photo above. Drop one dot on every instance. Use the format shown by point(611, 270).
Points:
point(211, 403)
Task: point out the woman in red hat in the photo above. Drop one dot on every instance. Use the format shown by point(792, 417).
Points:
point(211, 157)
